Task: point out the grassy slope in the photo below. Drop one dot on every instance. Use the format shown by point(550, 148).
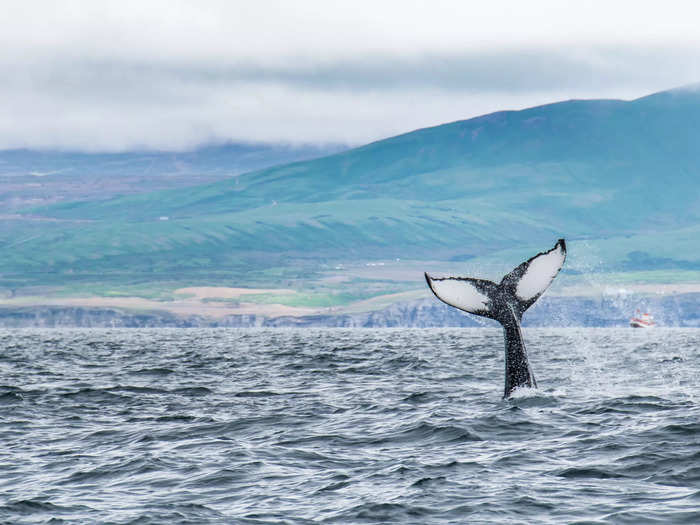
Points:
point(572, 154)
point(619, 177)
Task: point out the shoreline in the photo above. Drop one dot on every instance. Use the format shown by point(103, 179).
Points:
point(551, 310)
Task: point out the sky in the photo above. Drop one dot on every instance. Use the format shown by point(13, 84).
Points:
point(172, 75)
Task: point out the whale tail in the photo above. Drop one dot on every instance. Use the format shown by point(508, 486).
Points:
point(505, 302)
point(516, 292)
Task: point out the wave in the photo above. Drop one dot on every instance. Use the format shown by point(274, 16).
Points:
point(324, 426)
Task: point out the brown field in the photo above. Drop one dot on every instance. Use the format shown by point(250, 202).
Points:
point(190, 304)
point(222, 292)
point(198, 300)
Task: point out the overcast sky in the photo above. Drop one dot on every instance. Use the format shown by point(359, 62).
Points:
point(96, 75)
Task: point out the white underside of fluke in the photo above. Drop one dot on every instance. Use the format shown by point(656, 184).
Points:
point(540, 273)
point(460, 293)
point(519, 289)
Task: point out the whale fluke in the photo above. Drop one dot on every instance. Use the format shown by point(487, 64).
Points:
point(505, 302)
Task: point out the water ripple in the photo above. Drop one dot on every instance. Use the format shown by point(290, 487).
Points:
point(347, 426)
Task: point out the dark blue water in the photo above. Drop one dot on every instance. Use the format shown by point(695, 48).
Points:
point(347, 426)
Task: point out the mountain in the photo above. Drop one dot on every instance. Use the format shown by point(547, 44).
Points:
point(618, 177)
point(31, 177)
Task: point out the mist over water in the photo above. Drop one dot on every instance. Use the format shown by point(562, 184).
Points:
point(347, 426)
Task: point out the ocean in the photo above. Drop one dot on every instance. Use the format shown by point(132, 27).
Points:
point(345, 426)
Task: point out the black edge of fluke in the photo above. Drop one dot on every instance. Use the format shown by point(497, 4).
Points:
point(505, 302)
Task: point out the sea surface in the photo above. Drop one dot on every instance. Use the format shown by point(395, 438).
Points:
point(268, 426)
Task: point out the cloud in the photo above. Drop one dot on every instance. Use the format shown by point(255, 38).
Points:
point(114, 76)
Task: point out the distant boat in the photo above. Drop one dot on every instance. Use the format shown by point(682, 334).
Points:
point(642, 321)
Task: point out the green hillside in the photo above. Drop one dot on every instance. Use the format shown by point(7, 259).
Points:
point(619, 178)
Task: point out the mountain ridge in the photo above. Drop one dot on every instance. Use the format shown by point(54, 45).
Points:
point(589, 170)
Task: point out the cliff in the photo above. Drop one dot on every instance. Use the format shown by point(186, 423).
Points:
point(669, 310)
